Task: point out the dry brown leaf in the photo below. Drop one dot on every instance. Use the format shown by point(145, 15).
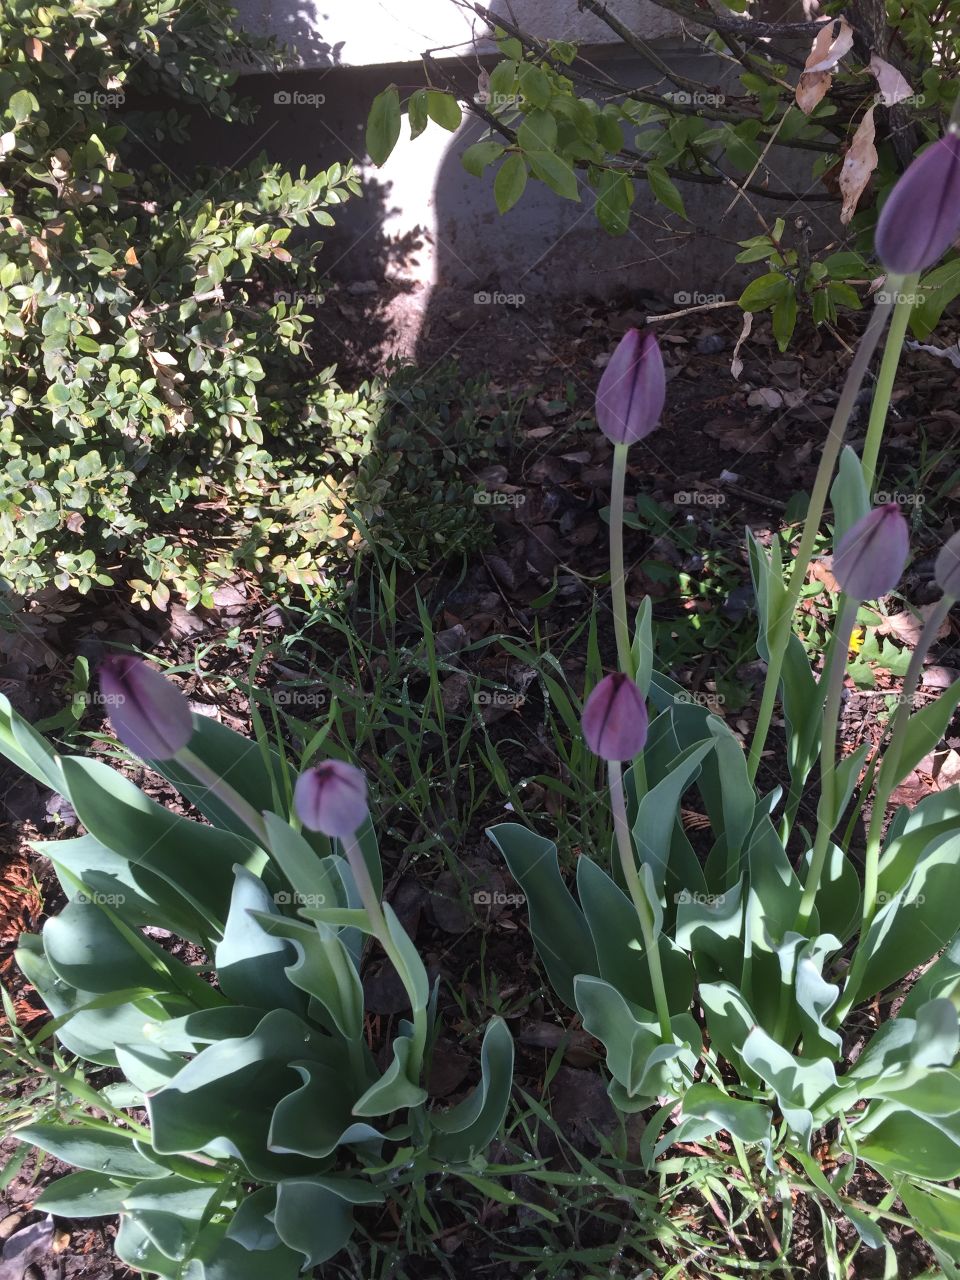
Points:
point(812, 88)
point(906, 627)
point(736, 364)
point(893, 87)
point(130, 257)
point(828, 48)
point(821, 572)
point(858, 164)
point(33, 49)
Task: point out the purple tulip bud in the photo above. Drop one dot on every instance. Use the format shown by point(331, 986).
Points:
point(632, 390)
point(615, 718)
point(921, 218)
point(947, 568)
point(332, 798)
point(147, 713)
point(872, 554)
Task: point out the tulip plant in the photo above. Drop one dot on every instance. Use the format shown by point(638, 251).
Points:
point(249, 1116)
point(733, 985)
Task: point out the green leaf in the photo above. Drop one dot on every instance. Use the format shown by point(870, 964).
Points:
point(510, 181)
point(84, 1195)
point(637, 1058)
point(383, 125)
point(251, 961)
point(848, 494)
point(535, 84)
point(556, 172)
point(615, 196)
point(467, 1129)
point(417, 112)
point(314, 1215)
point(663, 188)
point(22, 105)
point(560, 932)
point(784, 318)
point(444, 109)
point(904, 1143)
point(194, 859)
point(938, 289)
point(537, 132)
point(748, 1121)
point(764, 292)
point(916, 922)
point(104, 1151)
point(476, 158)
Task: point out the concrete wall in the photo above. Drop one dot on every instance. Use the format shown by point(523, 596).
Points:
point(364, 33)
point(423, 220)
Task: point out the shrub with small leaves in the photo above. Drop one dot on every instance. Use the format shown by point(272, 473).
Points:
point(148, 318)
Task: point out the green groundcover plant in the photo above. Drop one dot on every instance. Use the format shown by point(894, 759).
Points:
point(251, 1116)
point(778, 954)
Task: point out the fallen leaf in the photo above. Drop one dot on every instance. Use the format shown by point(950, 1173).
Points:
point(812, 88)
point(858, 164)
point(765, 398)
point(906, 627)
point(831, 43)
point(893, 87)
point(736, 364)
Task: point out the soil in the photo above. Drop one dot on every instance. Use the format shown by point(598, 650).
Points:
point(729, 453)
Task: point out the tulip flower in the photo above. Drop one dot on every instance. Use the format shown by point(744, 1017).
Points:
point(615, 718)
point(332, 798)
point(632, 389)
point(147, 713)
point(921, 218)
point(947, 568)
point(872, 555)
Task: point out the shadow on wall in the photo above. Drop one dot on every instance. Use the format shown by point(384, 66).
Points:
point(426, 237)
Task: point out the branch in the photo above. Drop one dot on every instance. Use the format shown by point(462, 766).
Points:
point(611, 88)
point(637, 170)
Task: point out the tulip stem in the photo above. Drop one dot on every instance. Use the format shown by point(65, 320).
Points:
point(887, 779)
point(639, 898)
point(826, 809)
point(618, 582)
point(779, 627)
point(223, 791)
point(381, 931)
point(901, 287)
